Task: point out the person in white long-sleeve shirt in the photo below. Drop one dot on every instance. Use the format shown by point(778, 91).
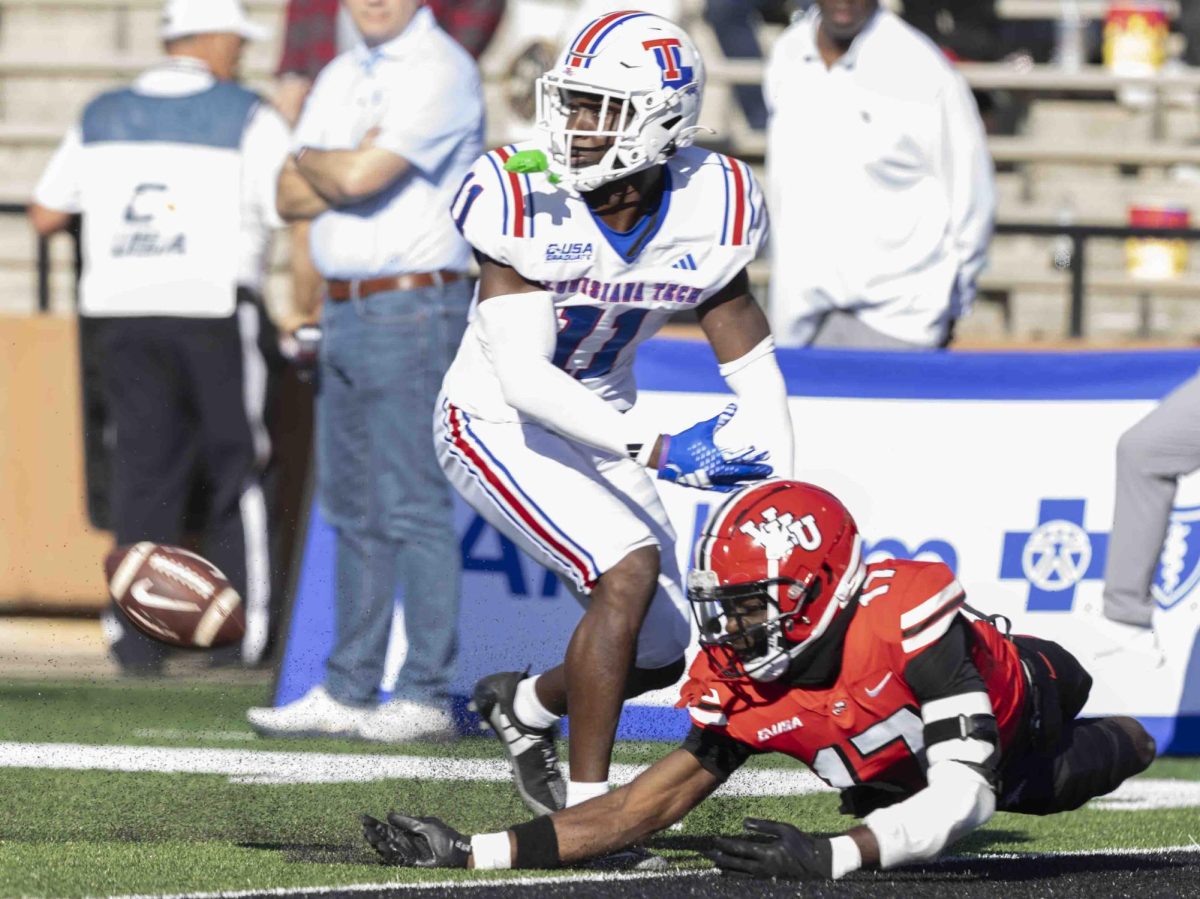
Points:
point(880, 184)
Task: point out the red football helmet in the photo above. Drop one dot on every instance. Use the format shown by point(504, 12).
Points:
point(773, 567)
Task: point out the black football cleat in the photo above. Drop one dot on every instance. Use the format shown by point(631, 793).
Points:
point(531, 752)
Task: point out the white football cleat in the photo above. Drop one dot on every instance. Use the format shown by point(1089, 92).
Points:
point(1134, 645)
point(402, 720)
point(315, 714)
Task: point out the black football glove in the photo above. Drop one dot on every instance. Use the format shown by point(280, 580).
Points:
point(416, 842)
point(789, 853)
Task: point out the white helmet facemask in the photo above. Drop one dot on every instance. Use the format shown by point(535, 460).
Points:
point(647, 81)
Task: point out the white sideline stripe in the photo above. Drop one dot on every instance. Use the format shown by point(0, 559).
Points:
point(1076, 853)
point(600, 876)
point(580, 877)
point(265, 767)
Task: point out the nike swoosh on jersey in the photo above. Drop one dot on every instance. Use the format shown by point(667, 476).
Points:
point(141, 592)
point(874, 691)
point(712, 697)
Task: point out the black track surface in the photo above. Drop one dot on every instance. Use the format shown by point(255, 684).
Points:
point(1170, 874)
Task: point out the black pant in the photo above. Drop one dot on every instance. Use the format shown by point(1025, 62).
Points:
point(186, 400)
point(1059, 762)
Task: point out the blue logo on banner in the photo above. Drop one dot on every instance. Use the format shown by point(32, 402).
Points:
point(1055, 556)
point(506, 561)
point(929, 551)
point(1179, 565)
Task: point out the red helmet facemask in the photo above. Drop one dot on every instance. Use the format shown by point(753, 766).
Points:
point(773, 567)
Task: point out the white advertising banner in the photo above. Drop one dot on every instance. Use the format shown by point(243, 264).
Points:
point(1001, 465)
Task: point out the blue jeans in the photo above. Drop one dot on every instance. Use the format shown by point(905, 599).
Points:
point(381, 489)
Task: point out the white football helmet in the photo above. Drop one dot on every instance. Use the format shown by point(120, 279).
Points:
point(649, 79)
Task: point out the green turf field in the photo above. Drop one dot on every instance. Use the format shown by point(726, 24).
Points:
point(259, 825)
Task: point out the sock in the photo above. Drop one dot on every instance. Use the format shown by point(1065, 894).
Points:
point(581, 792)
point(529, 709)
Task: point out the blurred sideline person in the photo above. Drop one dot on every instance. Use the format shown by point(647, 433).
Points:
point(924, 715)
point(1151, 458)
point(879, 181)
point(583, 256)
point(175, 177)
point(316, 32)
point(387, 134)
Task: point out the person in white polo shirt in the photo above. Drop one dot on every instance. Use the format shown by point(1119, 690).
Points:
point(879, 183)
point(175, 178)
point(386, 136)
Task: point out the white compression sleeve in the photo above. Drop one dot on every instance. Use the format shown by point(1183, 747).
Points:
point(520, 332)
point(957, 800)
point(762, 419)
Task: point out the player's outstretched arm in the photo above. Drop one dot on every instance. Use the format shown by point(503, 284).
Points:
point(741, 339)
point(657, 798)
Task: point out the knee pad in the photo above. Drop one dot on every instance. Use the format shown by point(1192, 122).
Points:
point(643, 680)
point(1142, 749)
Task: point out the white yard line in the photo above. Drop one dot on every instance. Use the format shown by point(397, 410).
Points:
point(598, 876)
point(253, 766)
point(265, 767)
point(576, 877)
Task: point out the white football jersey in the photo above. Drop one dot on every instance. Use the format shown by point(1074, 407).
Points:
point(610, 292)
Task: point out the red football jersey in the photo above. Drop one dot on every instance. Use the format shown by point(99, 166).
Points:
point(866, 727)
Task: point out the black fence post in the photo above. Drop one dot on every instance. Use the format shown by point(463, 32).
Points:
point(43, 275)
point(1078, 247)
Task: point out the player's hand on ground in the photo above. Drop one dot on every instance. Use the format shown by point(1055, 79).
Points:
point(693, 459)
point(787, 853)
point(416, 842)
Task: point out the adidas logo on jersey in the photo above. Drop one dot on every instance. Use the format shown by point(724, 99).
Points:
point(568, 252)
point(687, 263)
point(779, 727)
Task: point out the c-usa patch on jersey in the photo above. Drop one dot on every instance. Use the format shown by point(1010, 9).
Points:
point(568, 252)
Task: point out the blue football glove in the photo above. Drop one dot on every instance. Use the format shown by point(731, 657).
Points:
point(692, 458)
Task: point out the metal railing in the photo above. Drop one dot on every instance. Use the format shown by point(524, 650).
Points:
point(42, 258)
point(1079, 235)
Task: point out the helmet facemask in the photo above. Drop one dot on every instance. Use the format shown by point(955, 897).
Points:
point(764, 648)
point(751, 630)
point(643, 128)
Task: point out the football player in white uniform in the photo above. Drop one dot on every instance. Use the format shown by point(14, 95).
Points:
point(585, 251)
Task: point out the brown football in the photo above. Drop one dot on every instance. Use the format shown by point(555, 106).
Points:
point(174, 595)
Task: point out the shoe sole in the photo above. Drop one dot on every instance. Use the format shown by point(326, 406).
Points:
point(486, 696)
point(303, 734)
point(439, 737)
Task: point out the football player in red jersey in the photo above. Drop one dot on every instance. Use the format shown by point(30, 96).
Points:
point(926, 716)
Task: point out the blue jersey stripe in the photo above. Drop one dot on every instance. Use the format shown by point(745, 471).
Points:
point(725, 221)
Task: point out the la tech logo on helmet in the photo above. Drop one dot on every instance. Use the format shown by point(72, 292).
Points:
point(667, 54)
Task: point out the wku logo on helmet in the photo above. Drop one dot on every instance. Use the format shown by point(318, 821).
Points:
point(667, 54)
point(778, 534)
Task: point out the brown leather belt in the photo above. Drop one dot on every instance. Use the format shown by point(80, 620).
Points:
point(340, 291)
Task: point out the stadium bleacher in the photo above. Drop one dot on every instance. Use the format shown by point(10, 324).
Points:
point(1079, 155)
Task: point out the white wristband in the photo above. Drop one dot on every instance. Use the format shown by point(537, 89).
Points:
point(491, 851)
point(847, 856)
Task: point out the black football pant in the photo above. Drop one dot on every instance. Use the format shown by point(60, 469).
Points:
point(1065, 761)
point(186, 400)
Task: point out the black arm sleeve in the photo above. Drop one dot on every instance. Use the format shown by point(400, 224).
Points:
point(946, 668)
point(718, 753)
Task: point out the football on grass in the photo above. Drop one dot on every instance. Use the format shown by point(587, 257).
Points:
point(174, 595)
